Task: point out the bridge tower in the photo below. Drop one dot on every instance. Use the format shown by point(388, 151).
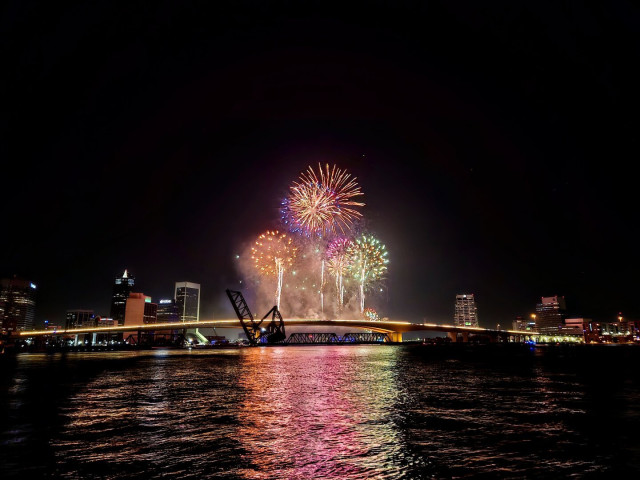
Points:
point(273, 332)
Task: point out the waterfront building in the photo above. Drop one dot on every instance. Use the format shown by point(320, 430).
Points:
point(167, 311)
point(121, 289)
point(18, 300)
point(576, 327)
point(550, 315)
point(150, 314)
point(466, 311)
point(139, 310)
point(620, 331)
point(134, 310)
point(80, 318)
point(525, 324)
point(105, 322)
point(187, 298)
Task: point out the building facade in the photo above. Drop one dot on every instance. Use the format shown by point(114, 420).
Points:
point(187, 298)
point(550, 315)
point(80, 318)
point(18, 302)
point(168, 311)
point(525, 324)
point(466, 311)
point(121, 289)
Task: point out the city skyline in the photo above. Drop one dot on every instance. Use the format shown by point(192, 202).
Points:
point(463, 306)
point(491, 145)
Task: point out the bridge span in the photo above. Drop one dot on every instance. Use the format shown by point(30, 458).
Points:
point(394, 329)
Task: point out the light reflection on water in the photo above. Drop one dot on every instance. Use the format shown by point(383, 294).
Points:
point(311, 412)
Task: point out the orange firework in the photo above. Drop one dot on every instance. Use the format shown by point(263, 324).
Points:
point(324, 203)
point(273, 253)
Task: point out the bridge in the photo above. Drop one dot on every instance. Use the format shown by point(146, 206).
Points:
point(393, 329)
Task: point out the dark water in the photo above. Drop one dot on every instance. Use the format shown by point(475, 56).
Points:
point(322, 412)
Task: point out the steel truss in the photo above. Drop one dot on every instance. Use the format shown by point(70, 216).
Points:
point(273, 332)
point(332, 338)
point(313, 338)
point(362, 337)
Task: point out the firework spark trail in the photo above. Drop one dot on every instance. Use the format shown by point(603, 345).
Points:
point(368, 262)
point(337, 264)
point(323, 203)
point(322, 288)
point(273, 253)
point(279, 274)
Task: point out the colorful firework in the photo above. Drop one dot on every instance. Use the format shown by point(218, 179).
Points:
point(273, 253)
point(338, 262)
point(322, 203)
point(370, 314)
point(368, 262)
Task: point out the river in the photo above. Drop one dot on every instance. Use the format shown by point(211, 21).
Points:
point(323, 412)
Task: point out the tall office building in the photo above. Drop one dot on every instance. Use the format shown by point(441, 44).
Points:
point(18, 298)
point(550, 315)
point(187, 297)
point(466, 312)
point(121, 290)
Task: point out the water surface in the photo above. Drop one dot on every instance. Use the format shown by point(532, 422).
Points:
point(321, 412)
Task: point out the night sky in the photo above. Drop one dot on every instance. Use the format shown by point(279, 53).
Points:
point(495, 144)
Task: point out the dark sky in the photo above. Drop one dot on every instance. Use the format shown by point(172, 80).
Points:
point(495, 143)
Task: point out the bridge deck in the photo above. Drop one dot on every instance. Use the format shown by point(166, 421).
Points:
point(376, 326)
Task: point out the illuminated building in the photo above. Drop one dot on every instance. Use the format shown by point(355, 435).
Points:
point(168, 311)
point(80, 318)
point(121, 290)
point(466, 312)
point(17, 298)
point(139, 310)
point(577, 327)
point(550, 314)
point(134, 309)
point(522, 324)
point(518, 323)
point(150, 312)
point(187, 298)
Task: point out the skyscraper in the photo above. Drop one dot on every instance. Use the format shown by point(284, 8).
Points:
point(550, 314)
point(121, 290)
point(466, 312)
point(187, 297)
point(19, 299)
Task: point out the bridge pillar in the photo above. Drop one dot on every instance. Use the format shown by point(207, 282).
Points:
point(465, 337)
point(395, 337)
point(453, 336)
point(75, 340)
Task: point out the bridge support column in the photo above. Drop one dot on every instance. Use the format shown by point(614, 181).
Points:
point(75, 340)
point(465, 337)
point(395, 337)
point(453, 336)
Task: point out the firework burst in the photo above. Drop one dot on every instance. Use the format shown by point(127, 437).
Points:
point(338, 262)
point(273, 253)
point(322, 203)
point(368, 262)
point(370, 314)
